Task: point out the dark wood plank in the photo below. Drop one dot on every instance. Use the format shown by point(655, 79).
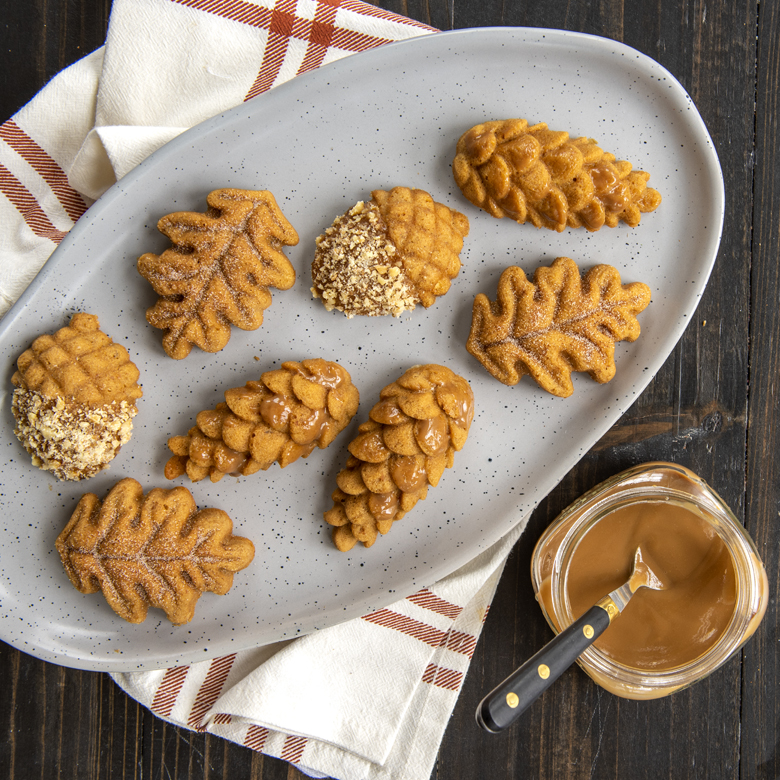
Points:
point(436, 13)
point(761, 673)
point(38, 38)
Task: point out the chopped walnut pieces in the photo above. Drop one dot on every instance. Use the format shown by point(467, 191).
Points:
point(71, 439)
point(357, 269)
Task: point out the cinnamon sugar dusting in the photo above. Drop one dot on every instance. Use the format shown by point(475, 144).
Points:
point(73, 440)
point(357, 268)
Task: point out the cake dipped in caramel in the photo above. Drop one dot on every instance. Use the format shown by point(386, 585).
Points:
point(278, 418)
point(412, 434)
point(530, 173)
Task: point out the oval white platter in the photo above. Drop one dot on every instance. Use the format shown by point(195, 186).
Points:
point(323, 141)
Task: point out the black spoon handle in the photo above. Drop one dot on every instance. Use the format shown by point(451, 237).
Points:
point(504, 704)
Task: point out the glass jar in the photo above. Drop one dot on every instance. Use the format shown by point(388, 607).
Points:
point(650, 484)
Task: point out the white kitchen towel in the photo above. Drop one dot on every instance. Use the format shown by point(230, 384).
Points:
point(369, 698)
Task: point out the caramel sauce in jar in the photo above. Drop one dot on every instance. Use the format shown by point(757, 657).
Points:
point(715, 593)
point(658, 629)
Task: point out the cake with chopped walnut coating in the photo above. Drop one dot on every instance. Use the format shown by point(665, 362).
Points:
point(74, 400)
point(386, 255)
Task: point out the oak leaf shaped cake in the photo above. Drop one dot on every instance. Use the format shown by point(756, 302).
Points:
point(74, 401)
point(280, 418)
point(219, 270)
point(559, 323)
point(147, 551)
point(411, 436)
point(532, 174)
point(386, 255)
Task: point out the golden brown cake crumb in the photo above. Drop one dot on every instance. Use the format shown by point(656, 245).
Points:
point(561, 322)
point(219, 270)
point(79, 362)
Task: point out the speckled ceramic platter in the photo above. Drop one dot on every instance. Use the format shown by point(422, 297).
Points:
point(386, 117)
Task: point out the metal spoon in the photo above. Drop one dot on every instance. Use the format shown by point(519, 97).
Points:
point(504, 704)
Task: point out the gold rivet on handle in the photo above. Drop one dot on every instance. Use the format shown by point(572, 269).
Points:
point(588, 631)
point(544, 671)
point(609, 607)
point(512, 700)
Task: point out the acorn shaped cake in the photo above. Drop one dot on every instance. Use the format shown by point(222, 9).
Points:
point(411, 436)
point(386, 255)
point(74, 400)
point(530, 173)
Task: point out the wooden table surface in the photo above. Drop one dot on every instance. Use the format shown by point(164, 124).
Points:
point(712, 408)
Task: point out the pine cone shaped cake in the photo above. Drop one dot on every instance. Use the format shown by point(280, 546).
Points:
point(385, 256)
point(411, 436)
point(531, 174)
point(74, 400)
point(219, 270)
point(278, 419)
point(154, 550)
